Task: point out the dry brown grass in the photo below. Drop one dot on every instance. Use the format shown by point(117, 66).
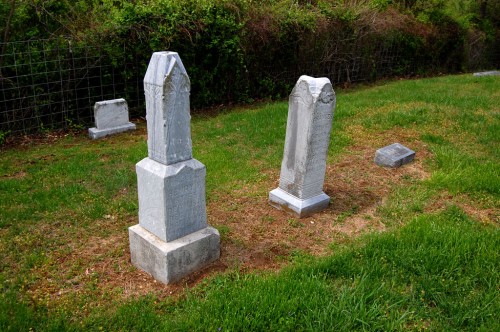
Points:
point(256, 236)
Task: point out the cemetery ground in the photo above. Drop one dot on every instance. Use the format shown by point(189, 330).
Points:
point(412, 248)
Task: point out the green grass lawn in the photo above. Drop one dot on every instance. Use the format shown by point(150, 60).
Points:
point(410, 249)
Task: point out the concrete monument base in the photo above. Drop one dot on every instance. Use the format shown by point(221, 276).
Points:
point(171, 261)
point(171, 197)
point(282, 200)
point(95, 133)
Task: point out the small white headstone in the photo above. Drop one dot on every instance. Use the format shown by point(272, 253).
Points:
point(310, 114)
point(111, 117)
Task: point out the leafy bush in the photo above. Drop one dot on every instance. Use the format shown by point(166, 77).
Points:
point(241, 50)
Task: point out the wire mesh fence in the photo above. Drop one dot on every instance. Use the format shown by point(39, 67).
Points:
point(343, 59)
point(48, 84)
point(350, 63)
point(52, 84)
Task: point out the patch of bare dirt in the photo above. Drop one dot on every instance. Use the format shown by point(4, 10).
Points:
point(254, 235)
point(18, 175)
point(258, 236)
point(54, 136)
point(23, 141)
point(96, 264)
point(481, 214)
point(365, 220)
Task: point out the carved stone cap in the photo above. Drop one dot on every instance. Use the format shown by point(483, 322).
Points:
point(161, 65)
point(320, 88)
point(167, 88)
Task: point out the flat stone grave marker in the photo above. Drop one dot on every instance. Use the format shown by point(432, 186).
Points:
point(172, 238)
point(394, 155)
point(487, 73)
point(111, 117)
point(310, 115)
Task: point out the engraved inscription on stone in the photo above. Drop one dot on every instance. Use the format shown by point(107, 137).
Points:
point(185, 203)
point(167, 89)
point(310, 115)
point(171, 198)
point(308, 135)
point(397, 151)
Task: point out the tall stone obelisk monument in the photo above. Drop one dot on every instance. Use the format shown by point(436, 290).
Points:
point(172, 238)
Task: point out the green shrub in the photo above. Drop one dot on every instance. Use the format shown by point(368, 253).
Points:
point(242, 50)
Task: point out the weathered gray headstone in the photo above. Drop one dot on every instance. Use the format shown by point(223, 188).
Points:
point(172, 238)
point(487, 73)
point(111, 117)
point(394, 155)
point(310, 114)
